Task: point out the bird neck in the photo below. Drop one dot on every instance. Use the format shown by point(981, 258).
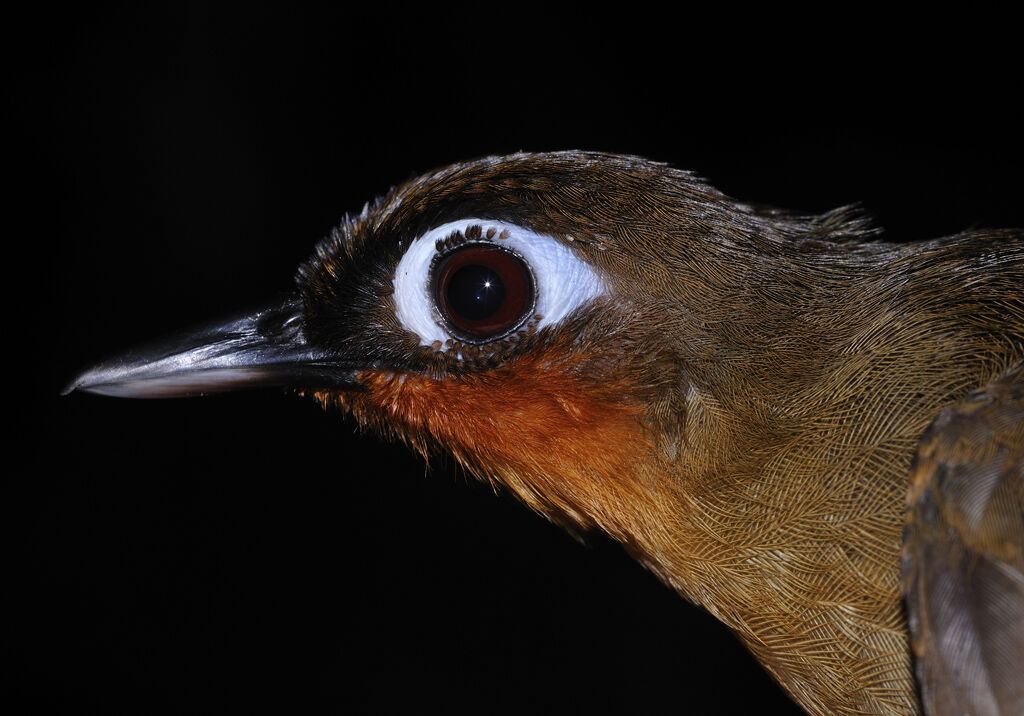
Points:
point(802, 404)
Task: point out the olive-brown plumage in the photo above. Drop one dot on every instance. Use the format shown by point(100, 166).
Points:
point(740, 404)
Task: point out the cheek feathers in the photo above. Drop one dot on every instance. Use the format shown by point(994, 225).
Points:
point(568, 446)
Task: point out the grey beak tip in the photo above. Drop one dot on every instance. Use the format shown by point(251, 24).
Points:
point(79, 382)
point(90, 381)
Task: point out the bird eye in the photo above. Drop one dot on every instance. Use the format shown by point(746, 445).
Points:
point(483, 291)
point(478, 280)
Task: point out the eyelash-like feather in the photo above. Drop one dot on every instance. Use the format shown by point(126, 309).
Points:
point(563, 281)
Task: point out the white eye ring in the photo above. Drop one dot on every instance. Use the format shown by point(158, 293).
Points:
point(562, 281)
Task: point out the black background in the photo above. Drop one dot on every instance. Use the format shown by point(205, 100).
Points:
point(249, 552)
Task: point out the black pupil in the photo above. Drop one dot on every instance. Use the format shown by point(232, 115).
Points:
point(475, 292)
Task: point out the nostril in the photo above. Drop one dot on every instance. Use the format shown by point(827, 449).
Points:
point(283, 323)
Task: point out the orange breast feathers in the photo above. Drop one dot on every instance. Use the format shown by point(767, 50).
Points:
point(568, 443)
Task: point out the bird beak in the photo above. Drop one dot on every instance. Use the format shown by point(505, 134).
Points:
point(264, 348)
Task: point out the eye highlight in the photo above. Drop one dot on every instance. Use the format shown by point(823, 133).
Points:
point(483, 291)
point(480, 281)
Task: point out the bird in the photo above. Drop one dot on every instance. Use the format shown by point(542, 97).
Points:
point(812, 433)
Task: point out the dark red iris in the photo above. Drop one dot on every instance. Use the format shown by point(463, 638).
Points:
point(483, 291)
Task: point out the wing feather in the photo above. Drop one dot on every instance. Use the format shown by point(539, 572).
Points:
point(963, 558)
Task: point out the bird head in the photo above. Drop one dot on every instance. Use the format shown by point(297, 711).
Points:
point(545, 318)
